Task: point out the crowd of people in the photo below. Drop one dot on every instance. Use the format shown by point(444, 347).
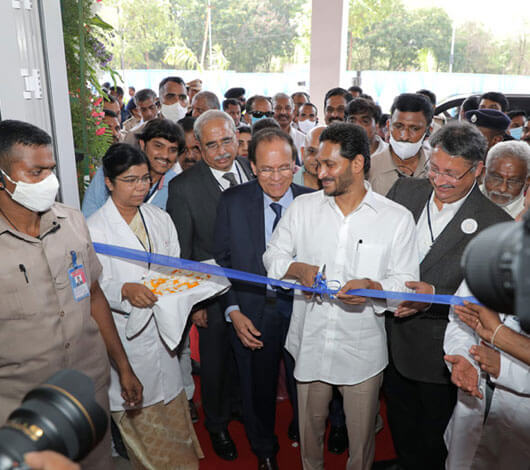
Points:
point(360, 198)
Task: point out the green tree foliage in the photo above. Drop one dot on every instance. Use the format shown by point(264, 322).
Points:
point(246, 34)
point(383, 35)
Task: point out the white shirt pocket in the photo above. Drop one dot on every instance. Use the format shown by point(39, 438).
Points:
point(369, 261)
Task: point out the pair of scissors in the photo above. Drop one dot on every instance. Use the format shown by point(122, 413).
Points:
point(319, 282)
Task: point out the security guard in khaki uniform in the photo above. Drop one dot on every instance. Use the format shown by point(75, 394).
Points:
point(53, 314)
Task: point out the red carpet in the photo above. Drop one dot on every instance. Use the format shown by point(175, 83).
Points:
point(288, 456)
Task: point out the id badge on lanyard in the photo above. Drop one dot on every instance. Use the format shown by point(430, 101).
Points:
point(78, 279)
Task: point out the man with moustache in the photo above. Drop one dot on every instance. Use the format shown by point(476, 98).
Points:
point(449, 211)
point(335, 103)
point(246, 218)
point(507, 175)
point(161, 140)
point(410, 119)
point(192, 204)
point(341, 341)
point(192, 152)
point(283, 107)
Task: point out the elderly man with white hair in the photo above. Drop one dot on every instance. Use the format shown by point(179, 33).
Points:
point(507, 175)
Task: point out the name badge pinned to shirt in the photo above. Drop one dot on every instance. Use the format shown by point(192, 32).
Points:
point(78, 280)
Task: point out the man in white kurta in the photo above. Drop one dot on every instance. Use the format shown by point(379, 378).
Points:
point(365, 241)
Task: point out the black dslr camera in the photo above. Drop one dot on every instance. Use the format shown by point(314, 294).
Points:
point(497, 268)
point(59, 415)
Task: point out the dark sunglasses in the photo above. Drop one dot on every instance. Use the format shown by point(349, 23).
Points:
point(260, 114)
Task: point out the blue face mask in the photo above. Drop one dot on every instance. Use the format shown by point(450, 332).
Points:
point(516, 132)
point(256, 119)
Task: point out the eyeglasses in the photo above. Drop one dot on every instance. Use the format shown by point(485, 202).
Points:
point(283, 170)
point(511, 184)
point(450, 177)
point(136, 180)
point(214, 146)
point(260, 114)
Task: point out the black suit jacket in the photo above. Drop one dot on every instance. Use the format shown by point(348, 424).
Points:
point(192, 204)
point(416, 342)
point(240, 243)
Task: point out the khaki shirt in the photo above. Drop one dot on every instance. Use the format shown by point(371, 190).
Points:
point(384, 172)
point(42, 327)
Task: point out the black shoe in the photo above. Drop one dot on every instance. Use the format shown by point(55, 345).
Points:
point(223, 445)
point(292, 432)
point(337, 439)
point(267, 463)
point(193, 412)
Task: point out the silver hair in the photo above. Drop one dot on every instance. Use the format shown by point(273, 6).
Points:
point(282, 95)
point(208, 116)
point(511, 148)
point(211, 99)
point(143, 95)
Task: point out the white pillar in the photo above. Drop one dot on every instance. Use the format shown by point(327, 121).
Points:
point(34, 85)
point(329, 26)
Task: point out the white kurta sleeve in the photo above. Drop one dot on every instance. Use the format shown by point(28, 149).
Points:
point(458, 336)
point(281, 249)
point(404, 263)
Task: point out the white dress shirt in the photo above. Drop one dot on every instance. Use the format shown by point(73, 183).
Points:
point(335, 342)
point(439, 220)
point(236, 170)
point(299, 141)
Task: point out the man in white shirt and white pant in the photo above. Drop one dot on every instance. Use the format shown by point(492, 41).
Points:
point(341, 341)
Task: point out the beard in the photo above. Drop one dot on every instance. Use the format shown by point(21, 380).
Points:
point(342, 185)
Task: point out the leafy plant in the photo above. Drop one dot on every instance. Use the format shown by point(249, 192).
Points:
point(85, 34)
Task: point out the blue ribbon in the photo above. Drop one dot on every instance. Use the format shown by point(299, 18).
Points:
point(320, 288)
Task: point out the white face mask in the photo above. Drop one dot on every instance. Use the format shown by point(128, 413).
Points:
point(306, 126)
point(174, 112)
point(37, 197)
point(405, 150)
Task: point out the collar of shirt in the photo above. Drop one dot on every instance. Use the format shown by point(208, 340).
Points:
point(49, 221)
point(439, 220)
point(368, 200)
point(225, 184)
point(388, 165)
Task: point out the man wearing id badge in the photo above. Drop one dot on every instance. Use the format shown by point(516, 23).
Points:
point(449, 210)
point(54, 315)
point(366, 242)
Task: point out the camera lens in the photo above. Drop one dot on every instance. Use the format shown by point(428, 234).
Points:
point(490, 262)
point(59, 415)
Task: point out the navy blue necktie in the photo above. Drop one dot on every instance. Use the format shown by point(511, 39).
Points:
point(277, 208)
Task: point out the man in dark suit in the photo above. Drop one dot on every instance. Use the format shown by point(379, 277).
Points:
point(192, 204)
point(449, 210)
point(260, 315)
